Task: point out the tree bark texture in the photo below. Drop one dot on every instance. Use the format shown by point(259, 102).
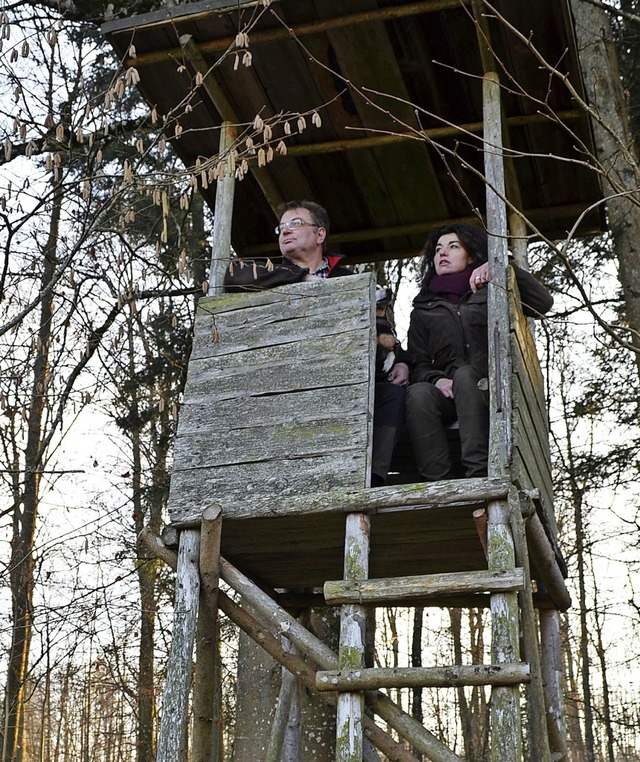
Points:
point(21, 574)
point(616, 149)
point(175, 704)
point(258, 692)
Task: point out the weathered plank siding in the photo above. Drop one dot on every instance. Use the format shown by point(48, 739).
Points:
point(531, 467)
point(279, 397)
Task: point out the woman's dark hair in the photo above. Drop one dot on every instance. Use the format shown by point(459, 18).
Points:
point(472, 237)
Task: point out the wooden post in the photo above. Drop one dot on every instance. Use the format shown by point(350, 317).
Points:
point(225, 190)
point(497, 297)
point(539, 738)
point(175, 701)
point(551, 654)
point(506, 733)
point(207, 705)
point(351, 652)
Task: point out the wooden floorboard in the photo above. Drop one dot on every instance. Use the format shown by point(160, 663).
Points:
point(306, 551)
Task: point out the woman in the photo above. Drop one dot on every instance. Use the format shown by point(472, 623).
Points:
point(448, 343)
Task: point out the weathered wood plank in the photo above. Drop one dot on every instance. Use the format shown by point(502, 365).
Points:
point(532, 457)
point(230, 447)
point(532, 399)
point(526, 344)
point(531, 388)
point(378, 591)
point(536, 454)
point(197, 414)
point(331, 500)
point(214, 336)
point(233, 310)
point(285, 295)
point(532, 469)
point(428, 677)
point(275, 369)
point(277, 335)
point(531, 466)
point(531, 378)
point(240, 487)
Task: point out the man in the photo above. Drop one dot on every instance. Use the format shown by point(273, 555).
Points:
point(302, 237)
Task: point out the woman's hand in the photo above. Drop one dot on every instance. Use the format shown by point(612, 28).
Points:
point(399, 374)
point(479, 277)
point(446, 386)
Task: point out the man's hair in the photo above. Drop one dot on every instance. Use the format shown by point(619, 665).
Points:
point(318, 214)
point(472, 237)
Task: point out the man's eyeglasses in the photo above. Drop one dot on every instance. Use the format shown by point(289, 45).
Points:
point(294, 224)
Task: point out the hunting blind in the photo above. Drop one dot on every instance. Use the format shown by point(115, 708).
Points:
point(397, 117)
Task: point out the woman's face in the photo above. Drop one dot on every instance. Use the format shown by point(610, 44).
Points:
point(450, 256)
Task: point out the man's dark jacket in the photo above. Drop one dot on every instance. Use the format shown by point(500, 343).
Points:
point(264, 273)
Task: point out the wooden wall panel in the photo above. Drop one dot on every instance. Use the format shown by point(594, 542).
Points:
point(279, 396)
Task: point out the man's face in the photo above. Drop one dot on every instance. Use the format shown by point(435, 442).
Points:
point(303, 241)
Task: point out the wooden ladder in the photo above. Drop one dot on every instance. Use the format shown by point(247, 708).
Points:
point(508, 581)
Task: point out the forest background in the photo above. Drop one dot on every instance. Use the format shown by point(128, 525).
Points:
point(104, 251)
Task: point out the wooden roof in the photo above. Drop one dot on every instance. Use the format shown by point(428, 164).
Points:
point(390, 92)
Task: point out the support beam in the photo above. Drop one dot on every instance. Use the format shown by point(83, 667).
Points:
point(207, 705)
point(417, 228)
point(424, 677)
point(306, 675)
point(419, 737)
point(288, 688)
point(544, 559)
point(506, 729)
point(282, 32)
point(212, 90)
point(407, 726)
point(175, 702)
point(551, 658)
point(423, 496)
point(225, 191)
point(350, 709)
point(517, 227)
point(535, 707)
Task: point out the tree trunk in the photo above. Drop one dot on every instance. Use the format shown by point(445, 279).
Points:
point(25, 514)
point(258, 688)
point(416, 661)
point(616, 150)
point(474, 712)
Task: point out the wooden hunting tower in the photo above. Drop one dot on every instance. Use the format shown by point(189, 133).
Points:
point(397, 117)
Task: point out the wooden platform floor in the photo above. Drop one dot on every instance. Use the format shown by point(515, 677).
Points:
point(304, 551)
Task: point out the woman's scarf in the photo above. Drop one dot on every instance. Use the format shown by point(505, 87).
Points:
point(452, 286)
